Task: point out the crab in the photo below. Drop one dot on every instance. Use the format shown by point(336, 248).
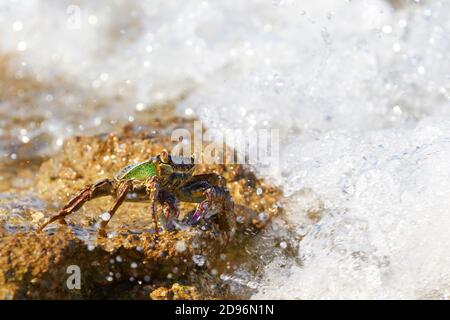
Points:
point(163, 180)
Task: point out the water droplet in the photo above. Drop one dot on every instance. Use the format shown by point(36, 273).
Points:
point(199, 260)
point(402, 23)
point(421, 70)
point(22, 46)
point(59, 142)
point(387, 29)
point(262, 216)
point(105, 216)
point(283, 245)
point(180, 246)
point(225, 277)
point(97, 121)
point(259, 191)
point(397, 110)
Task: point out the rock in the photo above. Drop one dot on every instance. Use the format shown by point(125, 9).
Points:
point(176, 292)
point(35, 266)
point(132, 262)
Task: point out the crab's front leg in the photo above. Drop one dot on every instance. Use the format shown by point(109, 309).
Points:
point(169, 205)
point(102, 188)
point(122, 191)
point(152, 186)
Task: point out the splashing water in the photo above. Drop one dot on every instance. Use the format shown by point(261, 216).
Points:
point(365, 129)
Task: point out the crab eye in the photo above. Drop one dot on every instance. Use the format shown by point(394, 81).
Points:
point(164, 156)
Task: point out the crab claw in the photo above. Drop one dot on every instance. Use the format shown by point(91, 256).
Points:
point(210, 194)
point(202, 209)
point(199, 213)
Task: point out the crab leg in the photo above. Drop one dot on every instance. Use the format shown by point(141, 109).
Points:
point(213, 195)
point(153, 192)
point(123, 190)
point(99, 189)
point(170, 208)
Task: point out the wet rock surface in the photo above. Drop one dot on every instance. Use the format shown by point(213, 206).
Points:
point(132, 262)
point(39, 266)
point(176, 292)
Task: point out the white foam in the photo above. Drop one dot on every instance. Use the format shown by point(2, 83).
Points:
point(384, 216)
point(364, 133)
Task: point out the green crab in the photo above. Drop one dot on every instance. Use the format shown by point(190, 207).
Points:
point(163, 180)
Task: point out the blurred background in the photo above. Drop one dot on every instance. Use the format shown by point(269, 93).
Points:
point(359, 90)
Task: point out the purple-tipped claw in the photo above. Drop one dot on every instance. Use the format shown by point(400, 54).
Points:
point(202, 209)
point(198, 214)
